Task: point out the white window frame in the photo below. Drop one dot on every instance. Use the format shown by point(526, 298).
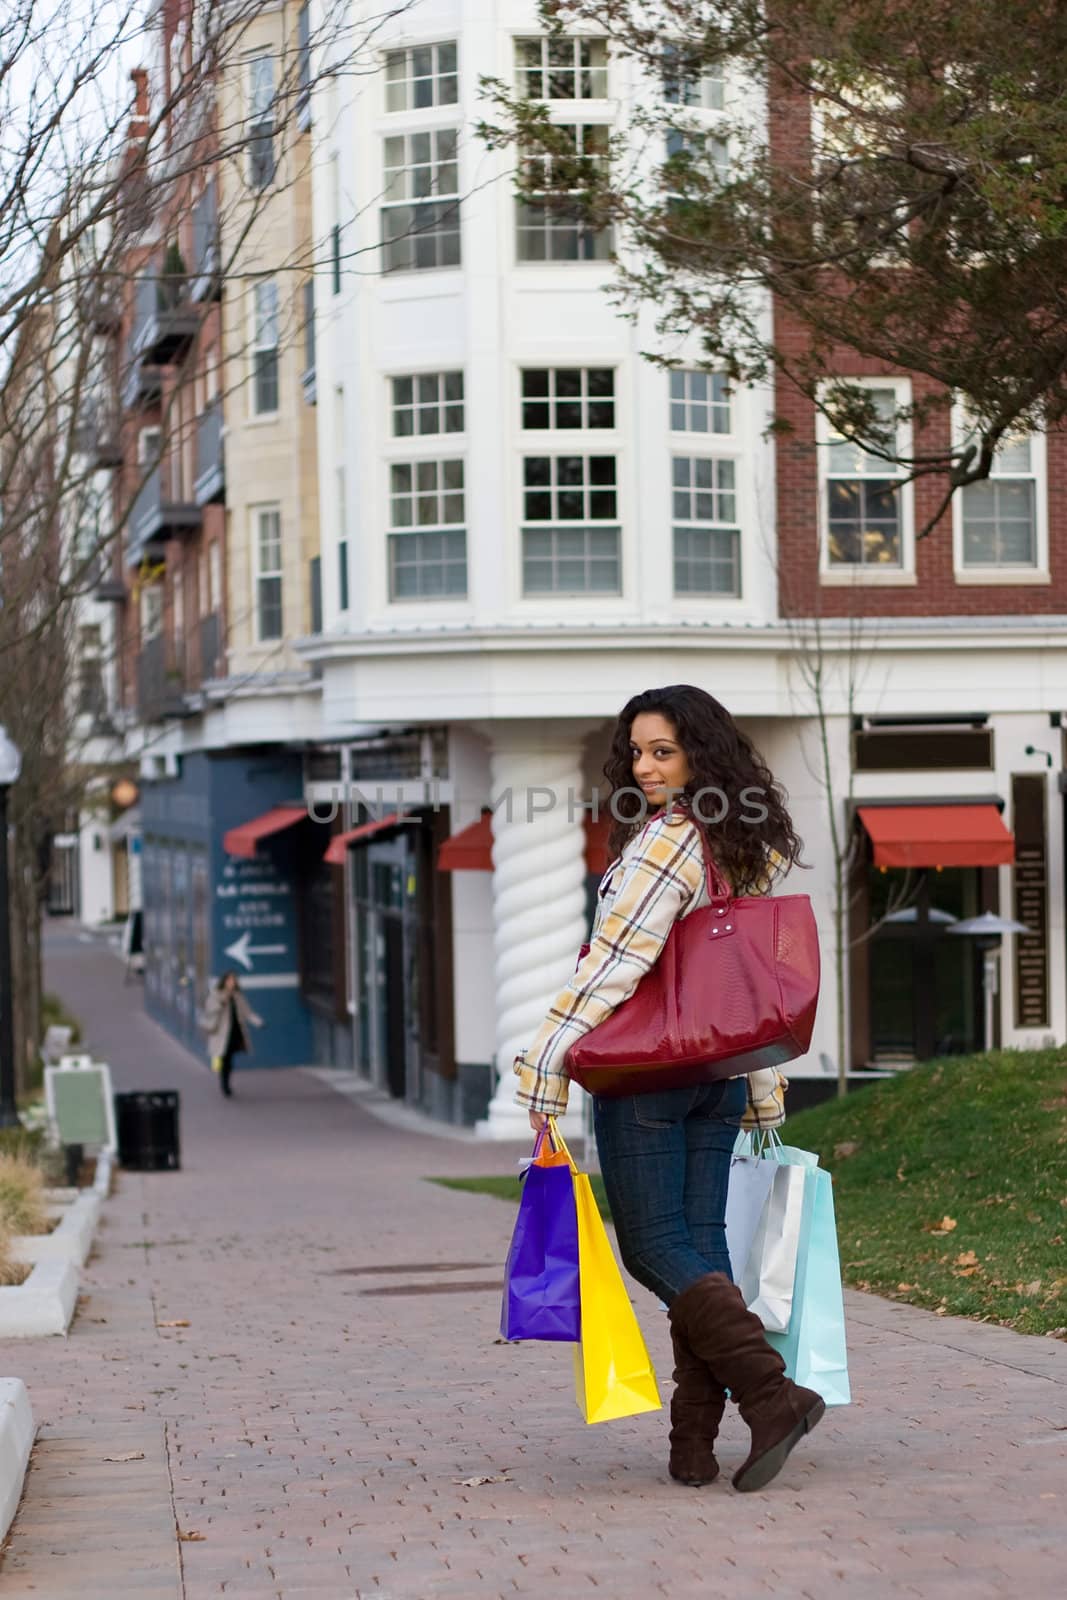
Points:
point(149, 447)
point(399, 530)
point(418, 405)
point(152, 599)
point(535, 448)
point(859, 575)
point(261, 574)
point(712, 87)
point(435, 77)
point(712, 524)
point(553, 400)
point(553, 221)
point(1036, 573)
point(452, 218)
point(711, 404)
point(575, 40)
point(262, 126)
point(256, 348)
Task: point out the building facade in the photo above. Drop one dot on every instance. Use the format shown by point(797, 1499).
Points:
point(461, 518)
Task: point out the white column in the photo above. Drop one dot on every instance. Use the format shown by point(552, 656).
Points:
point(538, 900)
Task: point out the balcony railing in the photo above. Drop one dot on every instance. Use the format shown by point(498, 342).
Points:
point(157, 517)
point(211, 663)
point(210, 460)
point(160, 686)
point(206, 280)
point(165, 322)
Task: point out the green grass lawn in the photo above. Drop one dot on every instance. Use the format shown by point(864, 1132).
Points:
point(950, 1183)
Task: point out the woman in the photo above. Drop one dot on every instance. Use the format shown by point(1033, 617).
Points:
point(677, 756)
point(226, 1018)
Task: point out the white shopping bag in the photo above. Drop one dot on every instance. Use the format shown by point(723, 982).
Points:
point(750, 1185)
point(764, 1210)
point(769, 1274)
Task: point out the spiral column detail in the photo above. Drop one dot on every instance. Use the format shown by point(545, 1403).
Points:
point(538, 902)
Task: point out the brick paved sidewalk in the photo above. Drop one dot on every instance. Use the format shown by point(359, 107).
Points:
point(313, 1424)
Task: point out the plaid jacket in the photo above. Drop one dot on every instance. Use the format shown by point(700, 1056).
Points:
point(659, 877)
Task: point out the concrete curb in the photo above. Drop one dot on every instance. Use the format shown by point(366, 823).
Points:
point(16, 1441)
point(44, 1304)
point(70, 1241)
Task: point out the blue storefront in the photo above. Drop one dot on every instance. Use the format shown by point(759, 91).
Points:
point(209, 909)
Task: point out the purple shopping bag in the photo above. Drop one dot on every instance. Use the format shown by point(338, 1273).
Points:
point(541, 1277)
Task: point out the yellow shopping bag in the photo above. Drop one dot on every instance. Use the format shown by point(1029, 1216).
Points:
point(613, 1374)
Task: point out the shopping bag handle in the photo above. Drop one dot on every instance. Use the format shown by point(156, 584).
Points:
point(761, 1144)
point(561, 1143)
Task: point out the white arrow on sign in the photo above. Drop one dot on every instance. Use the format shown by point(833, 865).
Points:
point(243, 950)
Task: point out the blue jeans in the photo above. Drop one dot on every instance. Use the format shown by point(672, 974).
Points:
point(665, 1159)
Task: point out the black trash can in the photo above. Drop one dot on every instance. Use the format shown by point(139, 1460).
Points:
point(146, 1122)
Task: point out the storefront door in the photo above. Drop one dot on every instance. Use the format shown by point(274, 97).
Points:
point(925, 984)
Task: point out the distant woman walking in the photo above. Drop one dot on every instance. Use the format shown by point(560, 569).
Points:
point(665, 1156)
point(226, 1018)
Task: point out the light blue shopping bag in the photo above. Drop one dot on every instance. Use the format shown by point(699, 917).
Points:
point(813, 1347)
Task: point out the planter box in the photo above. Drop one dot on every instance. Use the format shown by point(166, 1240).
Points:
point(43, 1305)
point(16, 1440)
point(70, 1240)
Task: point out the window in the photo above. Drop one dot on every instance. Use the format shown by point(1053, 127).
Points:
point(687, 83)
point(335, 230)
point(268, 558)
point(309, 326)
point(342, 542)
point(568, 397)
point(260, 121)
point(420, 232)
point(423, 76)
point(265, 347)
point(999, 517)
point(700, 402)
point(428, 402)
point(428, 541)
point(704, 518)
point(151, 611)
point(863, 509)
point(303, 67)
point(550, 229)
point(562, 69)
point(571, 538)
point(149, 446)
point(214, 570)
point(700, 150)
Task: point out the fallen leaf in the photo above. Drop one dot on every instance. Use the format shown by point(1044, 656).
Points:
point(967, 1259)
point(180, 1322)
point(1031, 1289)
point(192, 1537)
point(476, 1483)
point(846, 1149)
point(965, 1272)
point(904, 1287)
point(129, 1455)
point(946, 1225)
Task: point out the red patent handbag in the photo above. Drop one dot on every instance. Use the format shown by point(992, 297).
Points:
point(735, 988)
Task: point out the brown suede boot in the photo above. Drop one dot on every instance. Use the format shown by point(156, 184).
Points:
point(697, 1406)
point(716, 1325)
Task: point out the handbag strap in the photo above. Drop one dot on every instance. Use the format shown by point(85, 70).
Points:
point(716, 884)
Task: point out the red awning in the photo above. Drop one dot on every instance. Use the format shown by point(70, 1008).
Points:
point(938, 836)
point(242, 841)
point(471, 849)
point(335, 850)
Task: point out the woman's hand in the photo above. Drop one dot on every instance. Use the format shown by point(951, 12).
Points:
point(539, 1121)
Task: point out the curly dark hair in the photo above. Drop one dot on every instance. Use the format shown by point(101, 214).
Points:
point(725, 763)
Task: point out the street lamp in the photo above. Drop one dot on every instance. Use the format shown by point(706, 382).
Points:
point(10, 767)
point(986, 932)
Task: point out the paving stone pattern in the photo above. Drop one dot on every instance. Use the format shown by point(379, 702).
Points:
point(308, 1436)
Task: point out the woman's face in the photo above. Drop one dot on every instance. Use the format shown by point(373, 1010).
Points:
point(659, 762)
point(229, 983)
